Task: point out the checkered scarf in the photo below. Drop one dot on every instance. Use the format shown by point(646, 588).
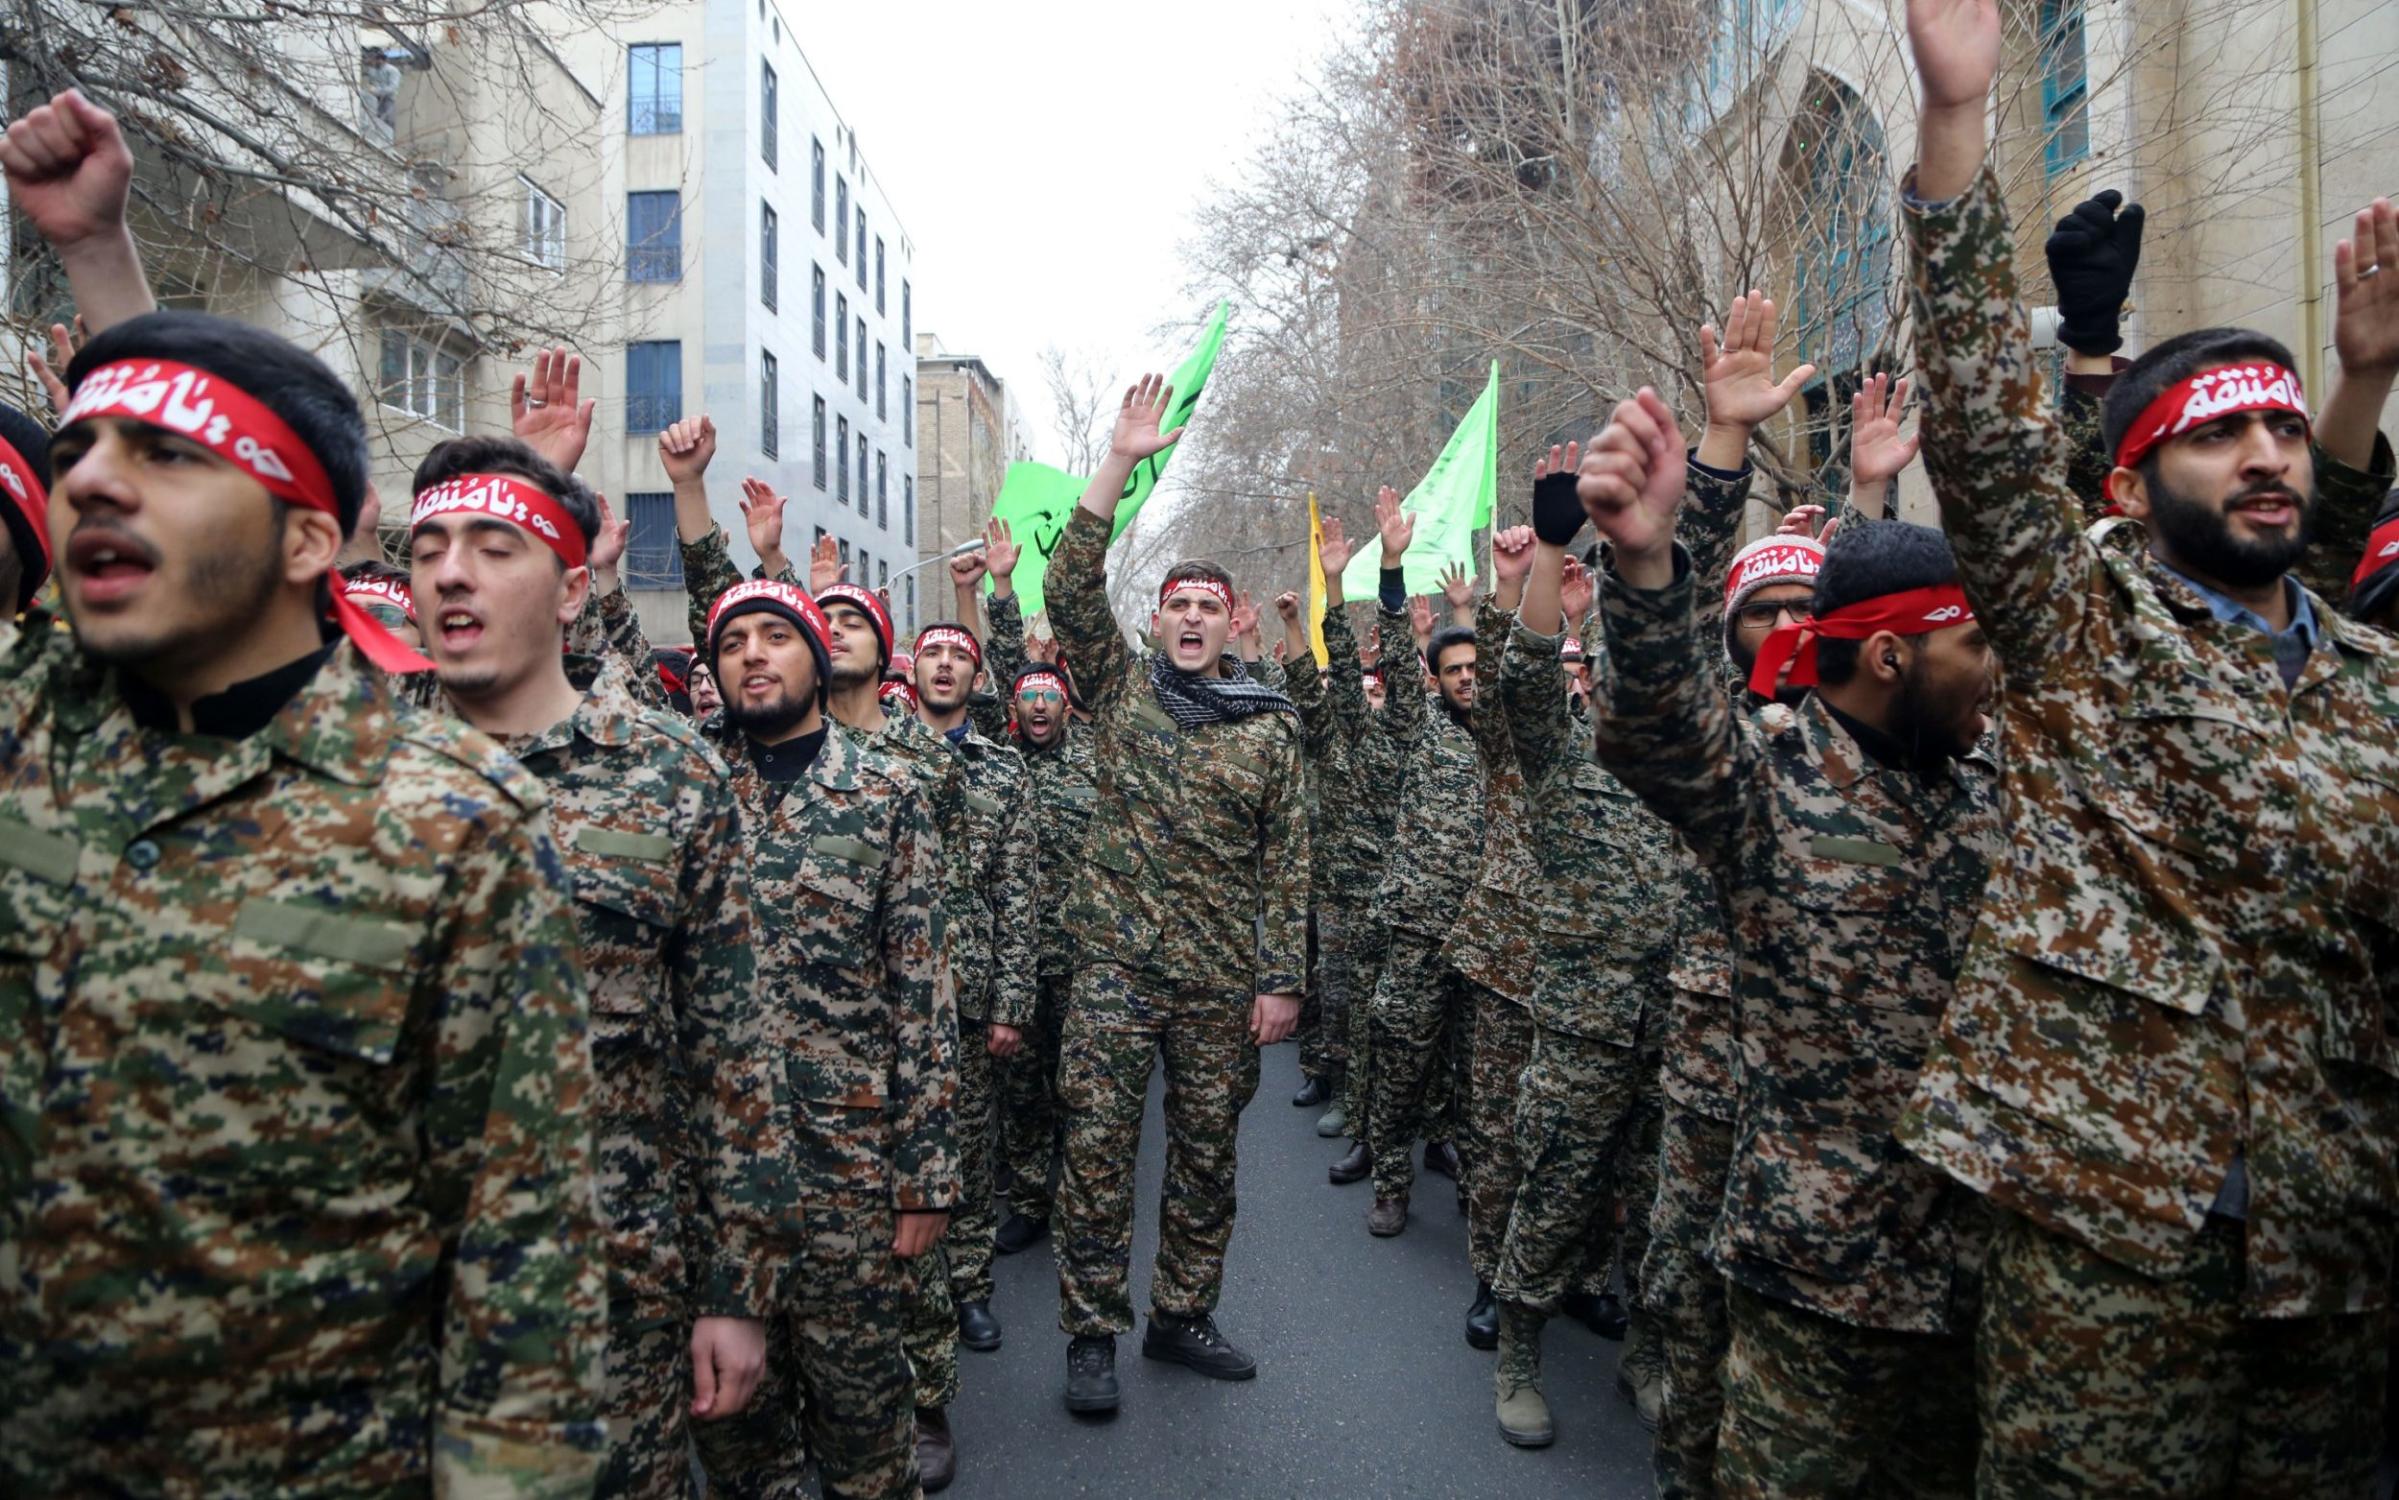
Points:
point(1193, 700)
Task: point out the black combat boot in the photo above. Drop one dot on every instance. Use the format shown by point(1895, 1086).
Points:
point(1091, 1373)
point(1353, 1167)
point(1482, 1319)
point(977, 1328)
point(1195, 1342)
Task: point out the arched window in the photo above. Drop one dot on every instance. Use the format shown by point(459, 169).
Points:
point(1841, 279)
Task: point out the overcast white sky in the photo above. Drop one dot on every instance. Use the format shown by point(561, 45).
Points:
point(1046, 158)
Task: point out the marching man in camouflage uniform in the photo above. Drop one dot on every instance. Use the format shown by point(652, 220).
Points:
point(646, 818)
point(1190, 921)
point(2170, 1061)
point(296, 1098)
point(1850, 841)
point(1057, 754)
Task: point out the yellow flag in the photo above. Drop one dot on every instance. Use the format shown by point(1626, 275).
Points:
point(1316, 583)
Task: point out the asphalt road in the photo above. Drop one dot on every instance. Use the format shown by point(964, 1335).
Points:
point(1366, 1386)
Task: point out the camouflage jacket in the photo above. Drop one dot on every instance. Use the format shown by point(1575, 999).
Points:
point(993, 947)
point(844, 896)
point(645, 816)
point(1063, 792)
point(2187, 959)
point(296, 1093)
point(1323, 766)
point(1195, 871)
point(1494, 939)
point(1850, 888)
point(1436, 842)
point(1601, 902)
point(1362, 754)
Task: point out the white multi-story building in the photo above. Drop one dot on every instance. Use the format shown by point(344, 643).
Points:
point(768, 284)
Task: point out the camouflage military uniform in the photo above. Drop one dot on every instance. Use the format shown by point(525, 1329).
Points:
point(1322, 1033)
point(1191, 901)
point(1599, 974)
point(645, 816)
point(842, 877)
point(1350, 935)
point(296, 1105)
point(2170, 1057)
point(1062, 800)
point(1435, 852)
point(1849, 888)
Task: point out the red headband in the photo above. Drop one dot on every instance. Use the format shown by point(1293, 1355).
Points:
point(1786, 558)
point(949, 635)
point(897, 690)
point(2382, 550)
point(865, 599)
point(1908, 612)
point(17, 477)
point(1042, 672)
point(242, 430)
point(389, 591)
point(1173, 586)
point(504, 498)
point(2205, 397)
point(768, 593)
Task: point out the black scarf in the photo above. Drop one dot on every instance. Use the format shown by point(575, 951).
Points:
point(1193, 700)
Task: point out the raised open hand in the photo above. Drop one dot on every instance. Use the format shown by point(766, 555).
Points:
point(1575, 588)
point(608, 547)
point(999, 548)
point(685, 448)
point(1876, 450)
point(1245, 615)
point(51, 372)
point(1420, 619)
point(1333, 548)
point(69, 170)
point(2365, 273)
point(1041, 648)
point(762, 512)
point(1137, 436)
point(1799, 520)
point(1738, 370)
point(1558, 460)
point(547, 409)
point(1631, 482)
point(1956, 43)
point(1398, 528)
point(1457, 588)
point(825, 566)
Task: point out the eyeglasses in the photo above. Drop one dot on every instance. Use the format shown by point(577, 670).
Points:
point(1766, 616)
point(1040, 695)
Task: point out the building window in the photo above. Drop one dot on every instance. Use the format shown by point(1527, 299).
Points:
point(883, 576)
point(841, 219)
point(907, 316)
point(770, 405)
point(766, 113)
point(817, 436)
point(862, 360)
point(882, 405)
point(816, 180)
point(880, 266)
point(866, 566)
point(653, 237)
point(862, 473)
point(422, 381)
point(841, 338)
point(908, 410)
point(882, 490)
point(862, 247)
point(653, 385)
point(908, 509)
point(2065, 83)
point(545, 228)
point(845, 556)
point(654, 89)
point(912, 601)
point(816, 290)
point(767, 236)
point(653, 555)
point(841, 459)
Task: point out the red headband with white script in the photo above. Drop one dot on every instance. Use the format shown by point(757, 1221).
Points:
point(504, 497)
point(1908, 612)
point(950, 635)
point(1174, 586)
point(26, 493)
point(2205, 397)
point(387, 591)
point(1782, 558)
point(769, 594)
point(2382, 550)
point(1041, 673)
point(244, 432)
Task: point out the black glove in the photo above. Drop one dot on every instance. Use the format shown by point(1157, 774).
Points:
point(2093, 253)
point(1557, 513)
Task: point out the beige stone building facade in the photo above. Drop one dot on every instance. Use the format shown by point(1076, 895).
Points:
point(963, 447)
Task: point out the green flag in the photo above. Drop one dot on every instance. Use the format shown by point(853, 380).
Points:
point(1036, 500)
point(1457, 496)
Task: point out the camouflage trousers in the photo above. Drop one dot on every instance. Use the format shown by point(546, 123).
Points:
point(1503, 1044)
point(1636, 1193)
point(1029, 1103)
point(929, 1332)
point(1576, 1100)
point(1363, 943)
point(2095, 1379)
point(1686, 1293)
point(1420, 1005)
point(1115, 1025)
point(837, 1382)
point(1314, 1059)
point(1814, 1406)
point(1334, 968)
point(967, 1244)
point(649, 1402)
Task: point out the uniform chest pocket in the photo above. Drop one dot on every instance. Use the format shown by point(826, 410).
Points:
point(833, 901)
point(627, 899)
point(337, 983)
point(2191, 766)
point(1867, 925)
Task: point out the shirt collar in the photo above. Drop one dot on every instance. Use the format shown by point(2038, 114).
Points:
point(2232, 612)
